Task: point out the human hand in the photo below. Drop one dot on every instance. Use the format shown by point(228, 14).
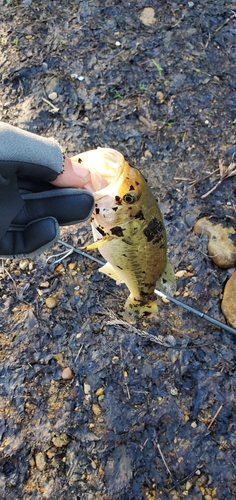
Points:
point(45, 207)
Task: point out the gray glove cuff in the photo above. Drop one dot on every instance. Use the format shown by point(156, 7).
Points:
point(24, 148)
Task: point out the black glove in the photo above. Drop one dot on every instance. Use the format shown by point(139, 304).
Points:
point(31, 211)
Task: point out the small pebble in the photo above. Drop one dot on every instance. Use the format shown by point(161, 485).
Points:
point(67, 373)
point(100, 391)
point(44, 284)
point(87, 388)
point(31, 462)
point(60, 441)
point(96, 410)
point(40, 461)
point(17, 272)
point(52, 96)
point(148, 16)
point(24, 264)
point(72, 265)
point(51, 302)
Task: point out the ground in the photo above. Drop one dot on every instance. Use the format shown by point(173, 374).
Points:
point(149, 412)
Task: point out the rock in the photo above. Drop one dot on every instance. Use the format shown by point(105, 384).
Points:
point(24, 264)
point(87, 388)
point(100, 391)
point(67, 373)
point(96, 410)
point(52, 96)
point(40, 461)
point(60, 441)
point(228, 304)
point(148, 16)
point(222, 241)
point(51, 302)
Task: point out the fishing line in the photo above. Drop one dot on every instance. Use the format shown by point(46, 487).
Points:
point(177, 302)
point(198, 313)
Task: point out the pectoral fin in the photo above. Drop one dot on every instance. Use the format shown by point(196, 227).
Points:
point(110, 271)
point(97, 243)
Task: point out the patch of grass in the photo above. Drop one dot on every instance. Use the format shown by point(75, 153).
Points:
point(16, 41)
point(115, 93)
point(158, 66)
point(143, 87)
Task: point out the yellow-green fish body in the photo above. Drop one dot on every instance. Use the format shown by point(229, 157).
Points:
point(127, 226)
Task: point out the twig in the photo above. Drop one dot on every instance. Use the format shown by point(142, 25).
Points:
point(79, 351)
point(164, 462)
point(226, 22)
point(186, 478)
point(225, 173)
point(212, 189)
point(192, 183)
point(215, 416)
point(54, 108)
point(117, 321)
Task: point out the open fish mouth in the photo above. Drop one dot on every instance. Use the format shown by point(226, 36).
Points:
point(106, 167)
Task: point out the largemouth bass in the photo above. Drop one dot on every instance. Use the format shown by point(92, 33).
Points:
point(128, 228)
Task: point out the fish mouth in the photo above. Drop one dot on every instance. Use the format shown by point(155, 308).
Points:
point(106, 166)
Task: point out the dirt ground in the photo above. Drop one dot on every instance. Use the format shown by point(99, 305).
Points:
point(149, 412)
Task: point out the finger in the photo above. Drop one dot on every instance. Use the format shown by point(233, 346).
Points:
point(74, 175)
point(68, 206)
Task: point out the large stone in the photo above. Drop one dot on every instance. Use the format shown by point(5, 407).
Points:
point(228, 304)
point(222, 241)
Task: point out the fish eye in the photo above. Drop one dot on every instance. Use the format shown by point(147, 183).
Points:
point(129, 198)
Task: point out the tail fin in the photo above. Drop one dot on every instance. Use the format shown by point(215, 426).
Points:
point(134, 310)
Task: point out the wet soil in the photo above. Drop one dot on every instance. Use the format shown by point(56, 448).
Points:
point(147, 412)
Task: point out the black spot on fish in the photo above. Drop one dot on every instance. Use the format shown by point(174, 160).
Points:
point(79, 160)
point(121, 268)
point(144, 294)
point(97, 210)
point(137, 183)
point(124, 255)
point(117, 231)
point(96, 205)
point(153, 231)
point(131, 188)
point(114, 208)
point(127, 242)
point(117, 198)
point(139, 215)
point(100, 230)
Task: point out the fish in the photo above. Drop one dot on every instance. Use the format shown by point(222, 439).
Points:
point(128, 229)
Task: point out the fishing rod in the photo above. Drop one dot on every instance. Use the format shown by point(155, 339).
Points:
point(177, 302)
